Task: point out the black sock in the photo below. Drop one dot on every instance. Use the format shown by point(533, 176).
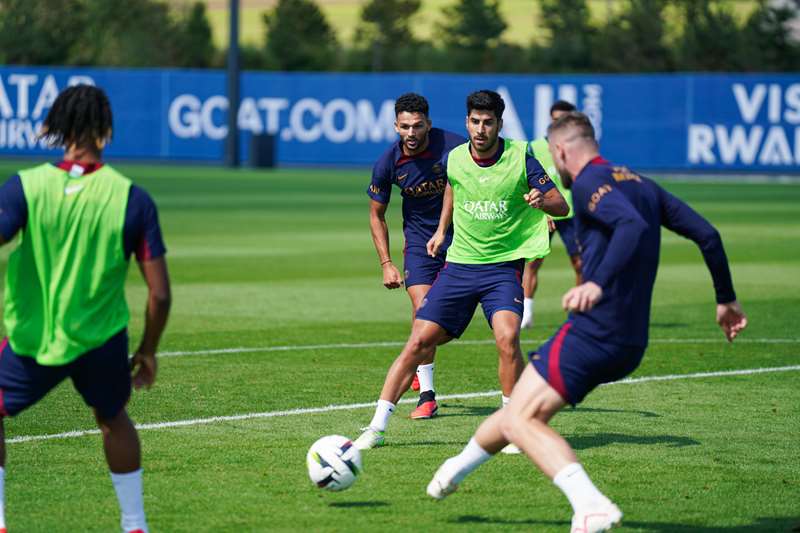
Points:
point(427, 396)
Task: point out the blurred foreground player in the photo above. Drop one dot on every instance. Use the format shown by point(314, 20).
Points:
point(563, 225)
point(618, 217)
point(497, 199)
point(414, 165)
point(65, 312)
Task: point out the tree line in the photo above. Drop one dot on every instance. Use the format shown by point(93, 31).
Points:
point(640, 36)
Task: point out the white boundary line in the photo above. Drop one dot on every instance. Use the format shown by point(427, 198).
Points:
point(351, 406)
point(395, 344)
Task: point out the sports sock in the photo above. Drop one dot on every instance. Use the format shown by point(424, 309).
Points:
point(470, 458)
point(2, 497)
point(382, 413)
point(131, 499)
point(578, 488)
point(425, 375)
point(506, 399)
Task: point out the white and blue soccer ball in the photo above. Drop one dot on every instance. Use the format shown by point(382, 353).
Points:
point(333, 463)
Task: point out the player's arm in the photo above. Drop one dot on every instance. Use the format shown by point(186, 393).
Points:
point(380, 192)
point(544, 194)
point(677, 216)
point(159, 300)
point(380, 238)
point(603, 202)
point(142, 236)
point(13, 209)
point(445, 219)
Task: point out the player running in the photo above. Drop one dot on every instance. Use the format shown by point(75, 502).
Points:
point(563, 225)
point(493, 184)
point(618, 217)
point(79, 221)
point(414, 165)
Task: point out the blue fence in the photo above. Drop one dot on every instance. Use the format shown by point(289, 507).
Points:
point(747, 122)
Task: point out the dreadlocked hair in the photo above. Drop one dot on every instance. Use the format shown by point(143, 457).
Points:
point(81, 116)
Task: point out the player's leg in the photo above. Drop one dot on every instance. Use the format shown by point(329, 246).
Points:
point(505, 325)
point(425, 336)
point(530, 282)
point(102, 376)
point(423, 378)
point(23, 382)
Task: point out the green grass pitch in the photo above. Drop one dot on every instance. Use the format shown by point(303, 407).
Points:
point(284, 259)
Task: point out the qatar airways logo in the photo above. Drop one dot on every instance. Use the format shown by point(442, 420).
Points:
point(486, 209)
point(768, 133)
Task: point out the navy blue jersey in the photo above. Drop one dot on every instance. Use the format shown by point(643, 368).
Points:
point(618, 219)
point(141, 232)
point(421, 179)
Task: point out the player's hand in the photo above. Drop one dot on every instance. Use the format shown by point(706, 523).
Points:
point(582, 298)
point(145, 368)
point(391, 276)
point(731, 319)
point(534, 198)
point(551, 225)
point(435, 244)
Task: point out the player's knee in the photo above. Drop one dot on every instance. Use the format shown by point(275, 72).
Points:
point(109, 423)
point(420, 347)
point(507, 342)
point(510, 424)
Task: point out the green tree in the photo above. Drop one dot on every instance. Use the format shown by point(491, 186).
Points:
point(40, 32)
point(635, 40)
point(711, 39)
point(135, 33)
point(471, 30)
point(768, 43)
point(384, 37)
point(571, 35)
point(195, 43)
point(299, 37)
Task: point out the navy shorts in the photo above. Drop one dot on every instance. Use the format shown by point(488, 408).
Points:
point(102, 376)
point(566, 228)
point(420, 268)
point(459, 289)
point(574, 364)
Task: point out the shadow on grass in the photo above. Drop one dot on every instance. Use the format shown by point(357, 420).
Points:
point(358, 505)
point(584, 442)
point(760, 524)
point(475, 519)
point(669, 325)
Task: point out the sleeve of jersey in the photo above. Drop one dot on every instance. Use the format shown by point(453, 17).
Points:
point(13, 208)
point(602, 202)
point(677, 216)
point(142, 232)
point(380, 187)
point(537, 177)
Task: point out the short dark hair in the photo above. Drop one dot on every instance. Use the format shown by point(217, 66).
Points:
point(562, 105)
point(411, 103)
point(576, 120)
point(80, 115)
point(486, 100)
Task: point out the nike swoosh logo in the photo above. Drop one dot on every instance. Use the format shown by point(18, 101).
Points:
point(517, 300)
point(401, 178)
point(483, 179)
point(72, 189)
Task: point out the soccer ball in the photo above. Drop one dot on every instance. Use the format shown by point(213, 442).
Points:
point(333, 463)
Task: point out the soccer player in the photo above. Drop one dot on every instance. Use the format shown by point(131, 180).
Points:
point(618, 217)
point(563, 225)
point(497, 198)
point(79, 221)
point(414, 165)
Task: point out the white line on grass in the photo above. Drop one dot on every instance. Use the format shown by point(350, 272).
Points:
point(351, 406)
point(395, 344)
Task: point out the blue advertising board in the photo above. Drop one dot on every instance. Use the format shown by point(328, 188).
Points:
point(715, 122)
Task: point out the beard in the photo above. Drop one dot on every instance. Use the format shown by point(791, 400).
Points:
point(566, 178)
